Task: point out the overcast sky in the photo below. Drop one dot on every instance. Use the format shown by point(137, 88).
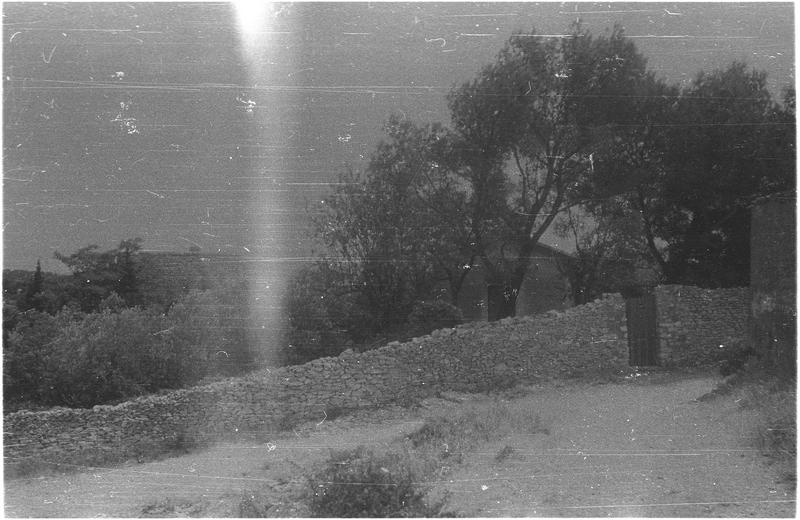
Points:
point(179, 124)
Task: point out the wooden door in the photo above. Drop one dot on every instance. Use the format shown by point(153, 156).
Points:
point(642, 330)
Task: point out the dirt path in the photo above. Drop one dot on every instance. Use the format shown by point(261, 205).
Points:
point(640, 449)
point(626, 450)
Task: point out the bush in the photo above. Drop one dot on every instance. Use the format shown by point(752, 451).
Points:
point(453, 434)
point(29, 355)
point(194, 334)
point(80, 360)
point(359, 483)
point(426, 317)
point(109, 356)
point(253, 505)
point(314, 328)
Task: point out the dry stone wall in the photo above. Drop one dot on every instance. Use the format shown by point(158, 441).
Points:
point(697, 325)
point(470, 357)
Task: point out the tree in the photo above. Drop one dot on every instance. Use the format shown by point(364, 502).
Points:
point(691, 169)
point(33, 293)
point(608, 255)
point(82, 359)
point(98, 274)
point(395, 230)
point(729, 146)
point(127, 285)
point(529, 124)
point(321, 322)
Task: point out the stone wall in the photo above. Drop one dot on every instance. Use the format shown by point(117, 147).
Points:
point(471, 357)
point(697, 325)
point(773, 277)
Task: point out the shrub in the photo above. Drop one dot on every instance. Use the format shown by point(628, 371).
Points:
point(777, 432)
point(314, 325)
point(359, 483)
point(457, 432)
point(193, 333)
point(107, 356)
point(29, 355)
point(253, 505)
point(503, 454)
point(426, 317)
point(80, 360)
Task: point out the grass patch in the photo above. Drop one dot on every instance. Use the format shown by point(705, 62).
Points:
point(503, 454)
point(253, 505)
point(168, 508)
point(395, 482)
point(761, 384)
point(480, 422)
point(777, 433)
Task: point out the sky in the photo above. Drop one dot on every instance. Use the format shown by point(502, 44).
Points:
point(194, 125)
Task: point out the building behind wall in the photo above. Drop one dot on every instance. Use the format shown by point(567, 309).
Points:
point(773, 277)
point(544, 288)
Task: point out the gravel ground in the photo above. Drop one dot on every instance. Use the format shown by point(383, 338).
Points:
point(642, 447)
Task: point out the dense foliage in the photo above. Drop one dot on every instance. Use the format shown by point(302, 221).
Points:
point(686, 170)
point(651, 182)
point(73, 340)
point(662, 177)
point(528, 125)
point(97, 274)
point(81, 359)
point(325, 318)
point(361, 484)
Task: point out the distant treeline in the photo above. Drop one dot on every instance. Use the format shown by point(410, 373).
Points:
point(96, 336)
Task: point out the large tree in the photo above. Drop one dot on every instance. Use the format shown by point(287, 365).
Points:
point(99, 273)
point(397, 229)
point(691, 167)
point(730, 144)
point(529, 125)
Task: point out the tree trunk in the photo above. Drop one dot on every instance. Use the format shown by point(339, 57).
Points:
point(502, 299)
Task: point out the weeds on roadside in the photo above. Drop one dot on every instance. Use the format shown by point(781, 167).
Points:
point(478, 423)
point(169, 508)
point(504, 454)
point(253, 505)
point(763, 385)
point(360, 483)
point(777, 435)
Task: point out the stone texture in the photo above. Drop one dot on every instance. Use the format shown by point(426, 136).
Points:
point(471, 357)
point(697, 325)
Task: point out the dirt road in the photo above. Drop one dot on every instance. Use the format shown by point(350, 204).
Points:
point(642, 448)
point(626, 450)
